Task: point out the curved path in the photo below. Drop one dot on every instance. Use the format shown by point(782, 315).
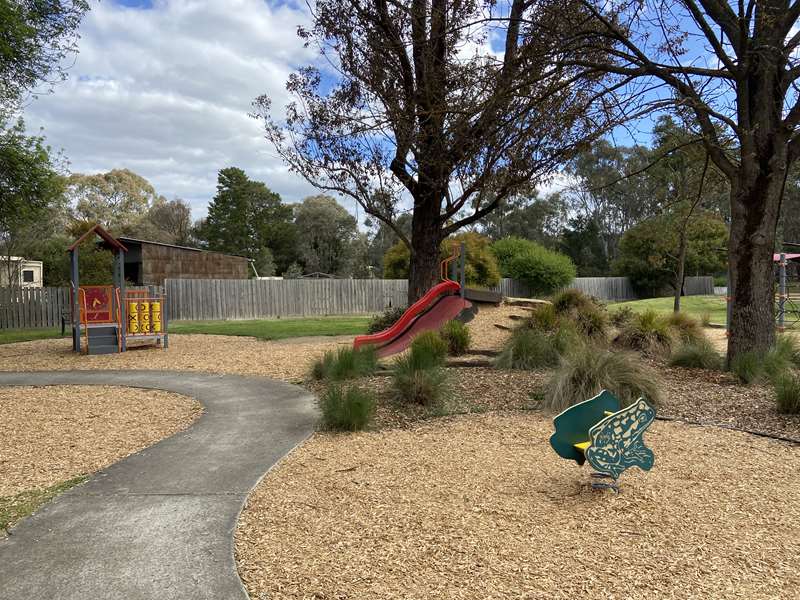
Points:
point(158, 524)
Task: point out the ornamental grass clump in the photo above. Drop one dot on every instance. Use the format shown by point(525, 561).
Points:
point(685, 328)
point(345, 363)
point(346, 408)
point(647, 332)
point(589, 370)
point(787, 393)
point(457, 337)
point(758, 367)
point(429, 349)
point(700, 354)
point(528, 349)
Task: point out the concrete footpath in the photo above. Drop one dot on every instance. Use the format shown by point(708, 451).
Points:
point(160, 523)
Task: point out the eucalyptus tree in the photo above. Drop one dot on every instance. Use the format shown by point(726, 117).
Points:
point(731, 69)
point(443, 107)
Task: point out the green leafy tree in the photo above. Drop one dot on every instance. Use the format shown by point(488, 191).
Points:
point(31, 189)
point(649, 251)
point(528, 216)
point(119, 200)
point(327, 236)
point(481, 264)
point(246, 216)
point(35, 39)
point(167, 221)
point(264, 263)
point(583, 242)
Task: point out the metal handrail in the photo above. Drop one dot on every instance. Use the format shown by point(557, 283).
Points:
point(84, 316)
point(444, 264)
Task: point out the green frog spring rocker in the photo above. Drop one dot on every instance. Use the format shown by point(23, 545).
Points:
point(610, 438)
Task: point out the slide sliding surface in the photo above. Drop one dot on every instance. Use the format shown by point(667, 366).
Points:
point(415, 310)
point(446, 309)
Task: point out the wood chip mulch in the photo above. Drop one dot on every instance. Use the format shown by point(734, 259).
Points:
point(480, 507)
point(54, 433)
point(717, 398)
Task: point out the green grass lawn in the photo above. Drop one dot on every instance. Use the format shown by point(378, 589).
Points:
point(9, 336)
point(276, 329)
point(696, 306)
point(265, 329)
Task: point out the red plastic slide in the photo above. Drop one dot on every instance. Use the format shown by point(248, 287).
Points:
point(415, 310)
point(444, 310)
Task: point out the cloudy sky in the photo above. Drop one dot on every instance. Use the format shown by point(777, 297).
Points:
point(164, 88)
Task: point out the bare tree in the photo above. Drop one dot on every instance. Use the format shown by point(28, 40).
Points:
point(732, 69)
point(441, 107)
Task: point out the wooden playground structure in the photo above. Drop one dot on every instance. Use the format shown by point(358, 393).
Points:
point(105, 318)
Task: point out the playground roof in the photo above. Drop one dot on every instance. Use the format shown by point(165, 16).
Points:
point(777, 257)
point(98, 230)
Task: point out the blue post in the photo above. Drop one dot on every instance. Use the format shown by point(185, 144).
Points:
point(76, 311)
point(123, 316)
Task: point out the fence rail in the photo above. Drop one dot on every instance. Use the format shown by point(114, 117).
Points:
point(230, 299)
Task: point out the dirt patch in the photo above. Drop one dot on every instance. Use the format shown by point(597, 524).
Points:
point(480, 507)
point(485, 336)
point(54, 433)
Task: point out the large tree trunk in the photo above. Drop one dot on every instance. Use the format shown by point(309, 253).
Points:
point(755, 206)
point(426, 236)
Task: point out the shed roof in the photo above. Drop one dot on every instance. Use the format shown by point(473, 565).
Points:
point(133, 241)
point(98, 230)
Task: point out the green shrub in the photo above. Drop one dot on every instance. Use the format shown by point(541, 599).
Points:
point(543, 318)
point(685, 328)
point(696, 355)
point(349, 409)
point(428, 349)
point(457, 337)
point(588, 370)
point(386, 319)
point(507, 248)
point(571, 301)
point(345, 363)
point(528, 349)
point(622, 316)
point(787, 393)
point(542, 270)
point(748, 367)
point(646, 332)
point(414, 384)
point(705, 318)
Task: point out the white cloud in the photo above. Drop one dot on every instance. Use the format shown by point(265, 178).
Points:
point(166, 91)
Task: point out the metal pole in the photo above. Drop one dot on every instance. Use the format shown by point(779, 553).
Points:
point(782, 292)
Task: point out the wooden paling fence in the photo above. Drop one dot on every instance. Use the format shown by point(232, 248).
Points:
point(32, 307)
point(229, 299)
point(214, 299)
